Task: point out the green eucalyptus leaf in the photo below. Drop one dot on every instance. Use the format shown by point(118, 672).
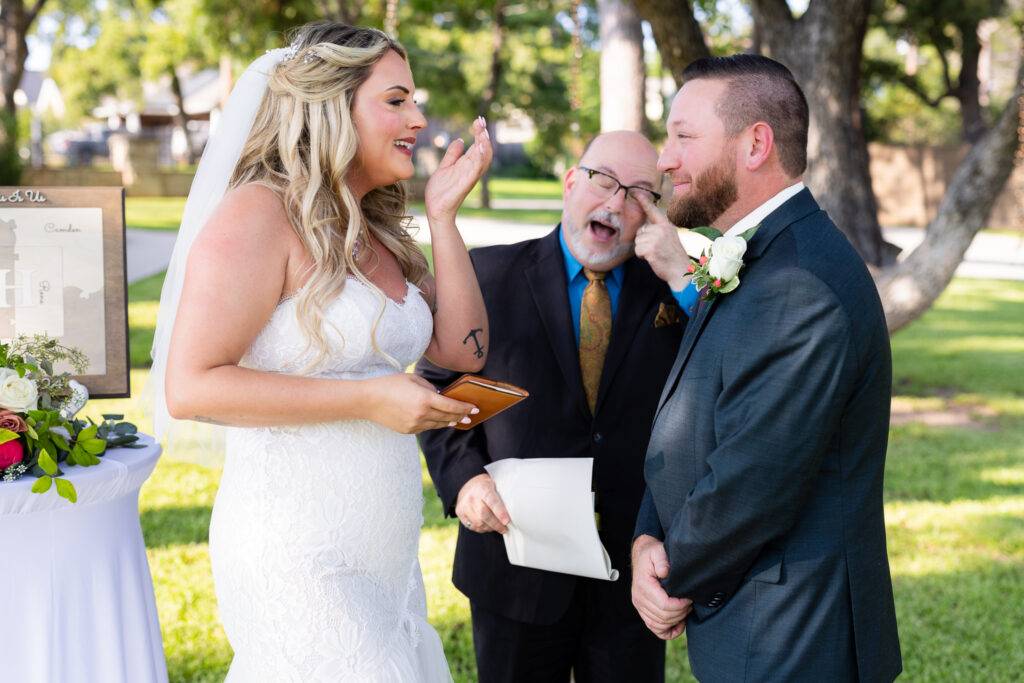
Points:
point(125, 428)
point(113, 416)
point(747, 234)
point(42, 484)
point(67, 490)
point(707, 231)
point(47, 366)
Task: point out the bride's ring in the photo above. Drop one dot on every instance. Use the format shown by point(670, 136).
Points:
point(469, 524)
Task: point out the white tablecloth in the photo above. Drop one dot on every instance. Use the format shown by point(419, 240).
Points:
point(77, 603)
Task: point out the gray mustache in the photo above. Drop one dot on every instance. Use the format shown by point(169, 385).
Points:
point(606, 217)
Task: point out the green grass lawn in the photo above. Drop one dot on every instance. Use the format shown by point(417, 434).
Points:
point(164, 213)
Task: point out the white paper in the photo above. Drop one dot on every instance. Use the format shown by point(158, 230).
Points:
point(550, 503)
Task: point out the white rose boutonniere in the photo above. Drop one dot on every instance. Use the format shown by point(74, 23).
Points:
point(717, 270)
point(17, 393)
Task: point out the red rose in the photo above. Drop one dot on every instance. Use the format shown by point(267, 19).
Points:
point(12, 421)
point(717, 283)
point(11, 453)
point(703, 260)
point(690, 268)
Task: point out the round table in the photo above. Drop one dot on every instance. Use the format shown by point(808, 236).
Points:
point(78, 600)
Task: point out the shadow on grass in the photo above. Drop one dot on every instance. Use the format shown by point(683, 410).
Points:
point(169, 526)
point(946, 464)
point(962, 625)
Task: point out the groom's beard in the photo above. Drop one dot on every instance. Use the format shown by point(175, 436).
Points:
point(713, 191)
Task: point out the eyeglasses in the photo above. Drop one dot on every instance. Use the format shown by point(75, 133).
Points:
point(607, 185)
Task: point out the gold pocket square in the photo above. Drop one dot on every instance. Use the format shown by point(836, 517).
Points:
point(668, 314)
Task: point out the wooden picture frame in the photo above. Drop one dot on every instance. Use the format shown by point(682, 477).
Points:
point(62, 273)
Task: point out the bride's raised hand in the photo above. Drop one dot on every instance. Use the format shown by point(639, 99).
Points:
point(410, 404)
point(458, 173)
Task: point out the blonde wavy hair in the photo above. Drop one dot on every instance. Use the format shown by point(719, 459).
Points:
point(302, 145)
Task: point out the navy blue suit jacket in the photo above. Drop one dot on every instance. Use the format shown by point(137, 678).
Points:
point(764, 468)
point(532, 344)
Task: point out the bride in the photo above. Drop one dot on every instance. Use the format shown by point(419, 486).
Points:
point(302, 301)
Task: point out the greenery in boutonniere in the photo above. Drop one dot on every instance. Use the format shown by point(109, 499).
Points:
point(38, 429)
point(716, 271)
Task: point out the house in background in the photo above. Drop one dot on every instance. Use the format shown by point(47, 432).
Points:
point(39, 94)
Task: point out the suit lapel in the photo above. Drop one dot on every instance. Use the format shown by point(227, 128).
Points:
point(546, 281)
point(693, 329)
point(636, 299)
point(797, 207)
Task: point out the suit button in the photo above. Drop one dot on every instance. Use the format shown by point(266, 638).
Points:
point(597, 437)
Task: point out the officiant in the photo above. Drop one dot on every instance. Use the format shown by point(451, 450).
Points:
point(591, 331)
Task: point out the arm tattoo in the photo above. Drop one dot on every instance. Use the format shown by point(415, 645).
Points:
point(479, 353)
point(210, 421)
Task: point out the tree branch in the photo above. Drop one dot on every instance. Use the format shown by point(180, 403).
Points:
point(32, 13)
point(676, 31)
point(910, 287)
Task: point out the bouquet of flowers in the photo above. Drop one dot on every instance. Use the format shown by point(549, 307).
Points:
point(38, 429)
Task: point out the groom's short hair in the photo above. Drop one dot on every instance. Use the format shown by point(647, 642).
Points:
point(759, 89)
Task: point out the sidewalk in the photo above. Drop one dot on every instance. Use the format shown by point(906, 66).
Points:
point(997, 257)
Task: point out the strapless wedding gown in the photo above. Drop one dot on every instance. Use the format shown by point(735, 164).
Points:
point(315, 528)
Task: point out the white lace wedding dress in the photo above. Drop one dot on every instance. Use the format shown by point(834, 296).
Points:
point(315, 529)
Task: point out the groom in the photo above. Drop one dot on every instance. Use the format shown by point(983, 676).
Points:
point(764, 468)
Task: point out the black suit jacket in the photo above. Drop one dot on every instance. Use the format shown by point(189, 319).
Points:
point(533, 346)
point(765, 465)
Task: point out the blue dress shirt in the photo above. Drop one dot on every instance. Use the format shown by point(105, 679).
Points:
point(577, 282)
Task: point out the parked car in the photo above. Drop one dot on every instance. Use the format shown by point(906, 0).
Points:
point(79, 147)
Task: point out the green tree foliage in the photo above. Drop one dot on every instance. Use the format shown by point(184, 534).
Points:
point(451, 57)
point(927, 52)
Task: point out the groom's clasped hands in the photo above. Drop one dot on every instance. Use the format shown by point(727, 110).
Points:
point(664, 615)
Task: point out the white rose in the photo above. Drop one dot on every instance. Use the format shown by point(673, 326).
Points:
point(17, 393)
point(726, 257)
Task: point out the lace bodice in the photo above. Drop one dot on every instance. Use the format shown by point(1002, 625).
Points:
point(402, 332)
point(315, 529)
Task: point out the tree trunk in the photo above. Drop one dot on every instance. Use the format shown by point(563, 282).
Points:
point(15, 20)
point(909, 288)
point(676, 31)
point(623, 86)
point(823, 49)
point(972, 117)
point(491, 93)
point(182, 116)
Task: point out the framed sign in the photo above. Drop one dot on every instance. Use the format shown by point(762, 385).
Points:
point(62, 273)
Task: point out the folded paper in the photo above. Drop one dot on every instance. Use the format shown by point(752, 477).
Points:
point(551, 505)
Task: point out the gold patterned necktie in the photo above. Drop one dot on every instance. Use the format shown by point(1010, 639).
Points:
point(595, 330)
